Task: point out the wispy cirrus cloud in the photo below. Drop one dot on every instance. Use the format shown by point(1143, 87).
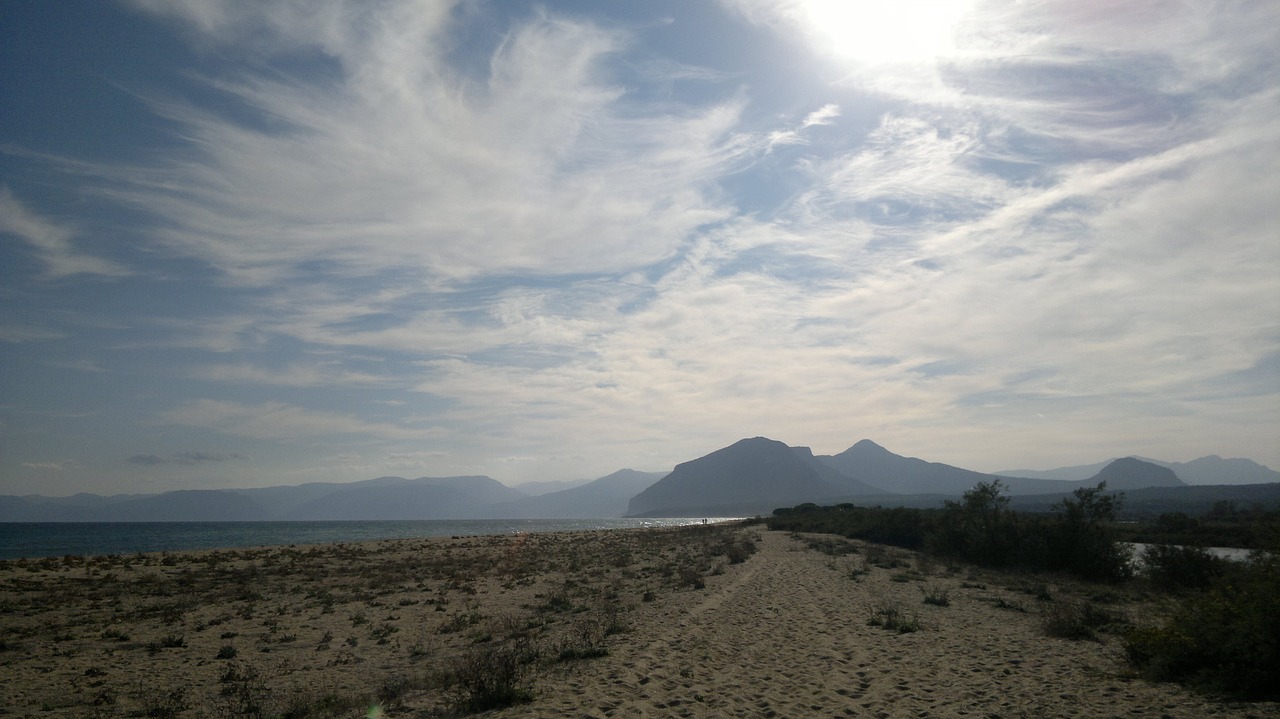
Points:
point(53, 465)
point(184, 458)
point(822, 116)
point(278, 420)
point(292, 376)
point(16, 333)
point(399, 159)
point(51, 242)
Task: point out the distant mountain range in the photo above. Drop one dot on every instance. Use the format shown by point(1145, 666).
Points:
point(755, 476)
point(751, 476)
point(1206, 470)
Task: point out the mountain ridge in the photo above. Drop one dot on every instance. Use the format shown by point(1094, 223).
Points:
point(1207, 470)
point(751, 476)
point(753, 473)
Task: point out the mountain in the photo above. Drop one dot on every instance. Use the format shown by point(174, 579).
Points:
point(1216, 470)
point(1198, 499)
point(603, 497)
point(178, 506)
point(896, 474)
point(1151, 502)
point(751, 476)
point(1070, 474)
point(900, 475)
point(847, 485)
point(381, 498)
point(188, 505)
point(533, 489)
point(1212, 470)
point(1129, 473)
point(286, 501)
point(423, 498)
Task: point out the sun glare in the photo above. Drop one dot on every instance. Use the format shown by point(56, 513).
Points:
point(886, 31)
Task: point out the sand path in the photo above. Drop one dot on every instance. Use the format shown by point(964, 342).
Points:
point(786, 635)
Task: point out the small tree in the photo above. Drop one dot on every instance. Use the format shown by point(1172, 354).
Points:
point(1082, 541)
point(980, 528)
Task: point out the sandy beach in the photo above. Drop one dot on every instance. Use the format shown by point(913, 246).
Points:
point(646, 623)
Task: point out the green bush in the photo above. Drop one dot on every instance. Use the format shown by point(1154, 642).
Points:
point(1225, 638)
point(982, 529)
point(898, 526)
point(1174, 568)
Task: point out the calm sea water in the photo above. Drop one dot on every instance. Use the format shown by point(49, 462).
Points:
point(57, 539)
point(1235, 554)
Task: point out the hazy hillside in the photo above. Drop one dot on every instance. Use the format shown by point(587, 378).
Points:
point(381, 498)
point(847, 485)
point(1074, 473)
point(750, 476)
point(1129, 473)
point(895, 474)
point(424, 498)
point(1150, 502)
point(1211, 470)
point(534, 489)
point(605, 497)
point(1216, 470)
point(190, 505)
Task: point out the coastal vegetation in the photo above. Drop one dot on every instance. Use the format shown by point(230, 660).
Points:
point(981, 529)
point(1209, 622)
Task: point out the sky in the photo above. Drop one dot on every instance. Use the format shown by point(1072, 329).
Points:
point(260, 243)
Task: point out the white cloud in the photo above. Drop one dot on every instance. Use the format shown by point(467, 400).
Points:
point(822, 116)
point(52, 242)
point(277, 420)
point(56, 465)
point(184, 458)
point(290, 376)
point(83, 365)
point(15, 334)
point(909, 172)
point(406, 162)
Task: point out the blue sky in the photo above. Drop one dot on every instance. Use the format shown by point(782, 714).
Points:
point(245, 244)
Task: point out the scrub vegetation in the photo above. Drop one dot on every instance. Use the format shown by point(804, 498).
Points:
point(451, 626)
point(1205, 621)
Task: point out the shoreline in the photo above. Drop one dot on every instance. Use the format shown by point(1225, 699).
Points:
point(34, 541)
point(614, 617)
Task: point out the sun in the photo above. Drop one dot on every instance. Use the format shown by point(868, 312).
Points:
point(885, 32)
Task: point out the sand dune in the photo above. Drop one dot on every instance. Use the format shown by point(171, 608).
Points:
point(337, 630)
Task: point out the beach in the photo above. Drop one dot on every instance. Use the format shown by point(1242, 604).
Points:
point(716, 621)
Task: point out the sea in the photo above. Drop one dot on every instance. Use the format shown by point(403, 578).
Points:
point(19, 540)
